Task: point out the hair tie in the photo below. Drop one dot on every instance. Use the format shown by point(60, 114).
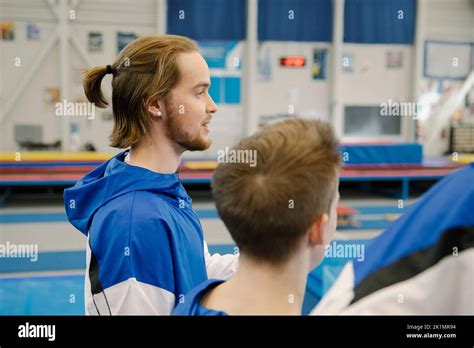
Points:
point(110, 70)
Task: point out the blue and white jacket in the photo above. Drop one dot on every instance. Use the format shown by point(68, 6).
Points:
point(422, 264)
point(145, 246)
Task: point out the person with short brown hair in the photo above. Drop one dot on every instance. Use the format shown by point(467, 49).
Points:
point(145, 245)
point(281, 213)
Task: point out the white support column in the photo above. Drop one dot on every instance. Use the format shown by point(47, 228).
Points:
point(53, 6)
point(82, 53)
point(161, 19)
point(336, 107)
point(418, 52)
point(64, 68)
point(250, 66)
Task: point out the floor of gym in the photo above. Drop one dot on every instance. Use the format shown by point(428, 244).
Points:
point(53, 284)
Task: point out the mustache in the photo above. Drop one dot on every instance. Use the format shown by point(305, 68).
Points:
point(207, 121)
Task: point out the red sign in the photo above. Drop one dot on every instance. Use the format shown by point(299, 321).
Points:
point(293, 61)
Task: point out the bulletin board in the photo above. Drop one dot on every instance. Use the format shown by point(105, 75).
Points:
point(448, 60)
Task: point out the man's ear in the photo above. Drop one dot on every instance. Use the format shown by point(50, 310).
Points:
point(318, 229)
point(153, 108)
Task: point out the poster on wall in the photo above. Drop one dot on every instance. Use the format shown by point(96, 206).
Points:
point(123, 39)
point(318, 70)
point(216, 53)
point(51, 96)
point(8, 30)
point(95, 42)
point(32, 31)
point(347, 62)
point(448, 60)
point(394, 60)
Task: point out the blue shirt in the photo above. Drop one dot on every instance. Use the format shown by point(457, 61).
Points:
point(192, 300)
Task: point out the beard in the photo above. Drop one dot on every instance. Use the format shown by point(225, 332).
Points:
point(176, 132)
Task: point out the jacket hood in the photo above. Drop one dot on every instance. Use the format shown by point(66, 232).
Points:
point(112, 179)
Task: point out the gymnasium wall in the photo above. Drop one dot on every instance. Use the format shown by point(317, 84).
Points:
point(449, 20)
point(103, 16)
point(292, 86)
point(443, 19)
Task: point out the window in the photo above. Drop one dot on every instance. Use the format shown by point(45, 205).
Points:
point(368, 121)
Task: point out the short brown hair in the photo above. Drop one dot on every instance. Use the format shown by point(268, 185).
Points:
point(297, 161)
point(146, 68)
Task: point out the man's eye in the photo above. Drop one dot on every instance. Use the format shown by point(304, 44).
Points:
point(200, 93)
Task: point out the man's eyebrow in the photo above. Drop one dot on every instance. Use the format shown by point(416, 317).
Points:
point(202, 84)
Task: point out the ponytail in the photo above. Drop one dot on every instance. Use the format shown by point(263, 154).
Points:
point(92, 80)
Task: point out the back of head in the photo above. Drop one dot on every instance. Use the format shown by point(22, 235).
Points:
point(268, 207)
point(145, 69)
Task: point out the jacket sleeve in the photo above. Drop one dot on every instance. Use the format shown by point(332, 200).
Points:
point(220, 266)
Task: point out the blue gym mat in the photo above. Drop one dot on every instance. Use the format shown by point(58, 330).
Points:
point(10, 218)
point(63, 295)
point(48, 295)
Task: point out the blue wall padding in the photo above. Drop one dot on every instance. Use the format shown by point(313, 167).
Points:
point(225, 90)
point(232, 90)
point(365, 21)
point(215, 90)
point(311, 20)
point(208, 19)
point(409, 153)
point(379, 21)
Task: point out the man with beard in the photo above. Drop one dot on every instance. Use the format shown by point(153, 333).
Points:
point(145, 246)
